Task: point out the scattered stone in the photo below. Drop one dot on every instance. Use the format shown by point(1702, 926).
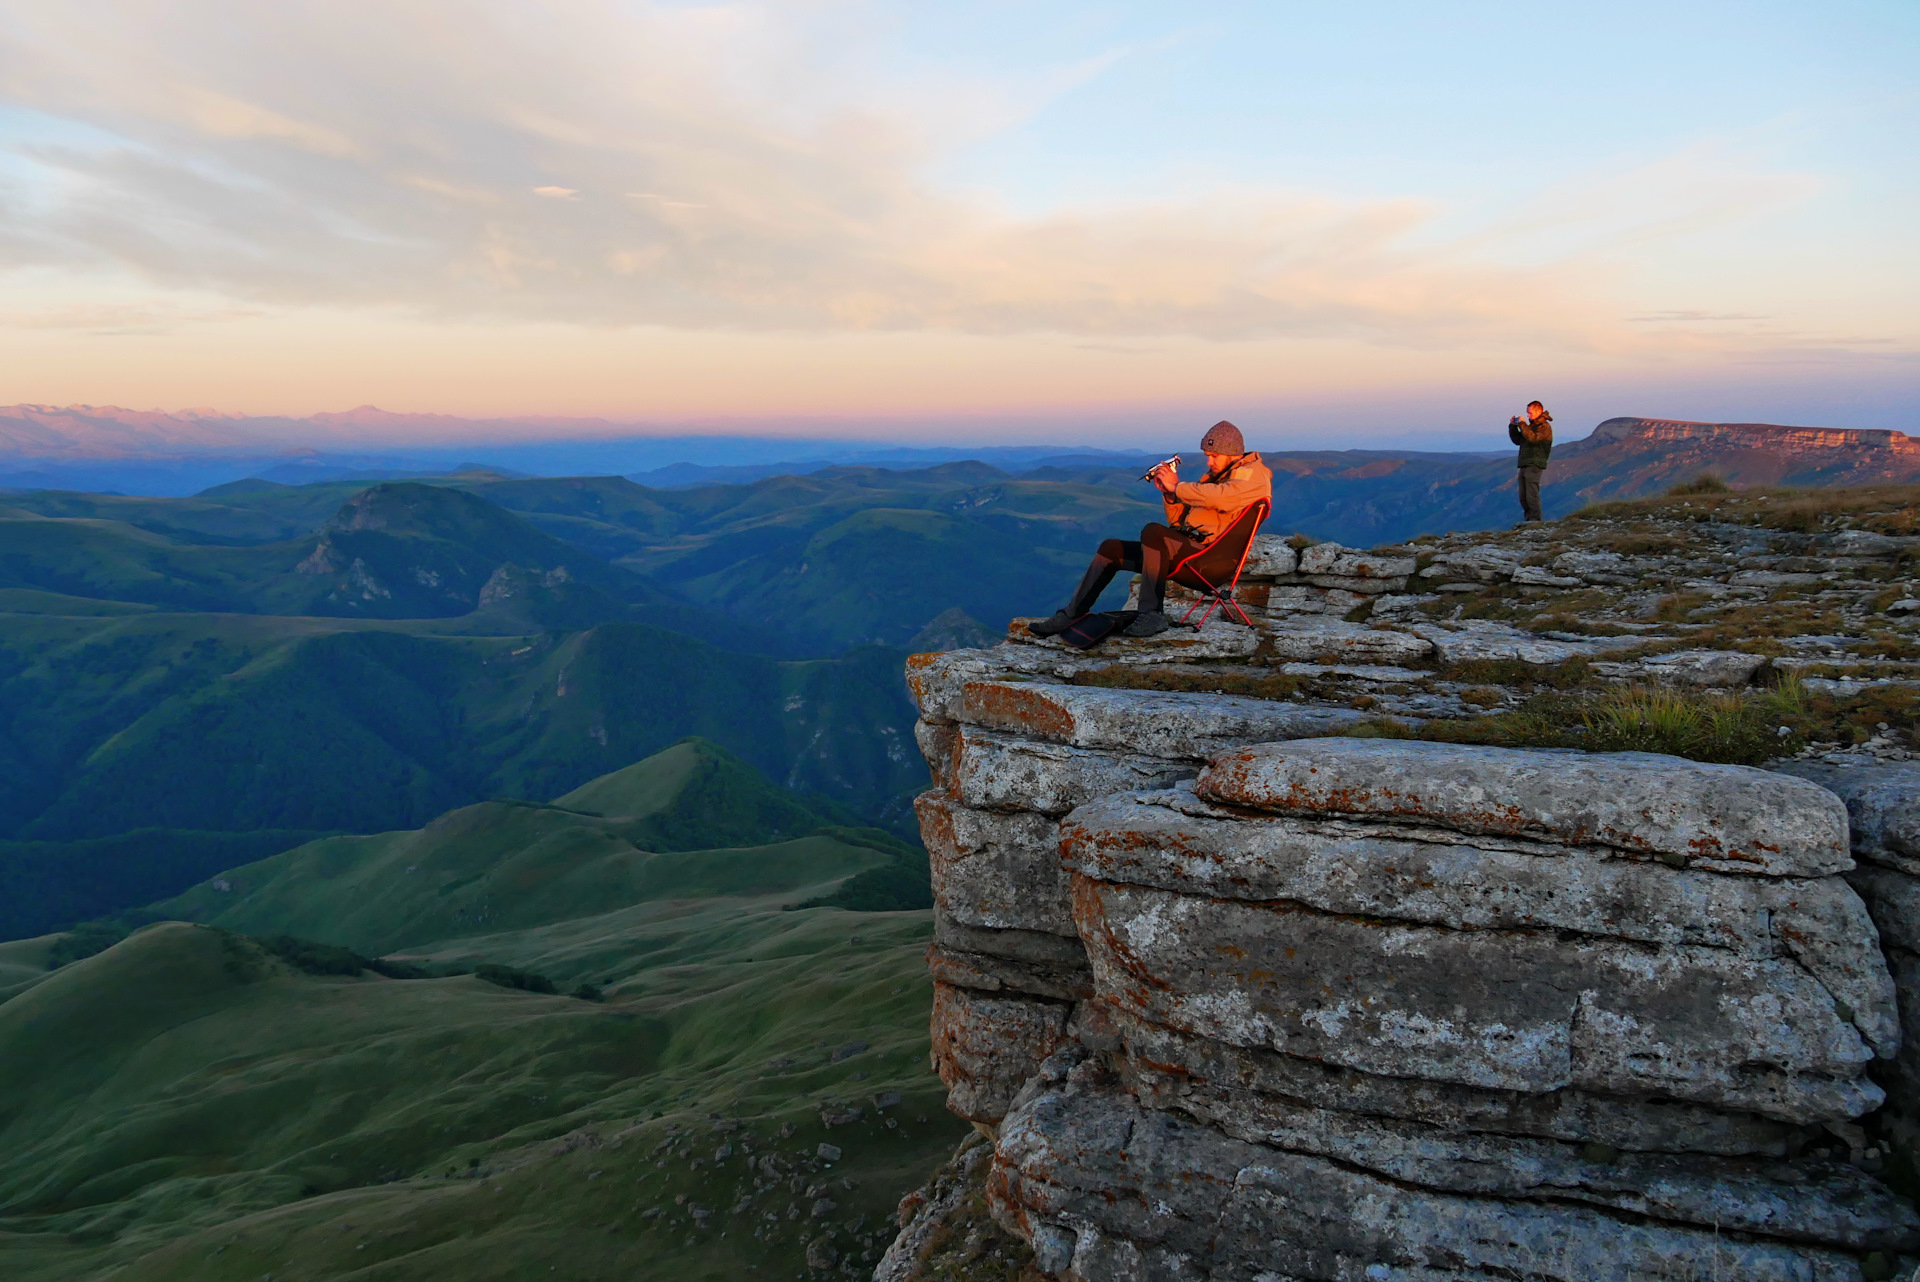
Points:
point(828, 1152)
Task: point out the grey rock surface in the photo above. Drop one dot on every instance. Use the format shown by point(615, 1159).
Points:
point(993, 973)
point(1347, 643)
point(1722, 818)
point(1174, 841)
point(1154, 1052)
point(986, 1046)
point(1512, 1010)
point(1161, 723)
point(1820, 1201)
point(1595, 567)
point(1538, 577)
point(1485, 564)
point(1217, 639)
point(1883, 807)
point(1086, 1155)
point(1288, 600)
point(937, 741)
point(1270, 557)
point(1331, 558)
point(1705, 667)
point(994, 869)
point(1001, 772)
point(1893, 899)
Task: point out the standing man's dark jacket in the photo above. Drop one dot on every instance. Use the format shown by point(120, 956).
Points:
point(1535, 439)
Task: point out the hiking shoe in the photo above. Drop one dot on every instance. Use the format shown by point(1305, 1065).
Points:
point(1150, 624)
point(1052, 627)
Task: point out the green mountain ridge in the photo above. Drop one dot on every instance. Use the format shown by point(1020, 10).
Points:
point(691, 822)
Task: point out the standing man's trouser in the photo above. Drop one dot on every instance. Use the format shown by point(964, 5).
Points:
point(1153, 556)
point(1530, 493)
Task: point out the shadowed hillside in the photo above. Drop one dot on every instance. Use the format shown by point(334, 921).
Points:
point(222, 1101)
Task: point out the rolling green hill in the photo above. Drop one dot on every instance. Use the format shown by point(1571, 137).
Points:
point(146, 729)
point(691, 822)
point(187, 1105)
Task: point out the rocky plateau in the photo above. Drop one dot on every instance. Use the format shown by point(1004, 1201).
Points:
point(1327, 949)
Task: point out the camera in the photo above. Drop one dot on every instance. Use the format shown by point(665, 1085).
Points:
point(1148, 474)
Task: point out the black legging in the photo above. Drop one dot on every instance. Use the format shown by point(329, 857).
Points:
point(1153, 557)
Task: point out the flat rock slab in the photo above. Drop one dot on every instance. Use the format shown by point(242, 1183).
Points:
point(1820, 1201)
point(1218, 639)
point(1705, 667)
point(1158, 1195)
point(1478, 641)
point(1161, 723)
point(1883, 807)
point(1000, 772)
point(1172, 841)
point(1509, 1010)
point(986, 973)
point(1341, 642)
point(1357, 671)
point(936, 680)
point(1578, 1117)
point(1730, 819)
point(1331, 558)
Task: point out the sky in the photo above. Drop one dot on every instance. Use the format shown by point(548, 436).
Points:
point(1002, 222)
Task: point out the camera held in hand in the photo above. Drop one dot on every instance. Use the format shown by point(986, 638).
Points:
point(1172, 462)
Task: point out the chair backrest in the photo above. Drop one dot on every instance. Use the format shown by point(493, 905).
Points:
point(1217, 564)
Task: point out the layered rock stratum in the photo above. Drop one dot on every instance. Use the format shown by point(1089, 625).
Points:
point(1269, 989)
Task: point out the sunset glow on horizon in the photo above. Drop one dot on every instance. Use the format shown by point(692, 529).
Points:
point(978, 222)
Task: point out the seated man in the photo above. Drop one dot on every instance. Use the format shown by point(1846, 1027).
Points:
point(1196, 512)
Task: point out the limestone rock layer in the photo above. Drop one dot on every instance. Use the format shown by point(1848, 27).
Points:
point(1241, 1001)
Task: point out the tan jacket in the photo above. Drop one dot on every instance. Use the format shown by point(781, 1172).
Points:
point(1211, 504)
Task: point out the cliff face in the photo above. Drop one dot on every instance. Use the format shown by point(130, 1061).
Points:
point(1236, 997)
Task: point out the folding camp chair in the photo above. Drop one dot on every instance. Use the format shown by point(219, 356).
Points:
point(1214, 569)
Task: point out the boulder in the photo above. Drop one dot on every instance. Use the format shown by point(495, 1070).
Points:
point(1270, 557)
point(1722, 818)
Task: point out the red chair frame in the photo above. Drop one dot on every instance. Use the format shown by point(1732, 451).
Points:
point(1219, 596)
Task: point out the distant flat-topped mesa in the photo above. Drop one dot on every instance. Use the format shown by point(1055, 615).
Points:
point(1241, 996)
point(1769, 436)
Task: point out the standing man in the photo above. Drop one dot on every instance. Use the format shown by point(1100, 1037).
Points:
point(1197, 512)
point(1534, 435)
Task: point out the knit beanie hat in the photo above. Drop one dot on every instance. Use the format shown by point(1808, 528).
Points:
point(1223, 438)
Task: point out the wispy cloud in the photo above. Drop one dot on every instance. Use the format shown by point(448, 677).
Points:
point(305, 152)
